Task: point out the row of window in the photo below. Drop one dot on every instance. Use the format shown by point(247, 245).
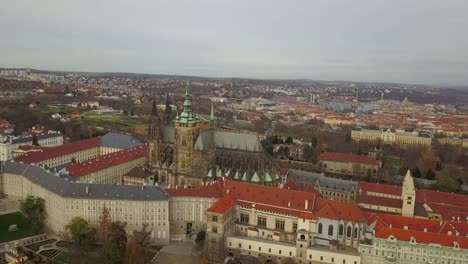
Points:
point(349, 232)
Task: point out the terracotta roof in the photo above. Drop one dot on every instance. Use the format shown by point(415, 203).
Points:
point(382, 201)
point(213, 190)
point(346, 157)
point(442, 197)
point(106, 161)
point(54, 152)
point(222, 205)
point(380, 188)
point(422, 237)
point(337, 210)
point(272, 196)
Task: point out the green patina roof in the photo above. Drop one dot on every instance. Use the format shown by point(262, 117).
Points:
point(210, 173)
point(220, 173)
point(244, 177)
point(255, 178)
point(236, 176)
point(277, 176)
point(268, 177)
point(228, 172)
point(187, 116)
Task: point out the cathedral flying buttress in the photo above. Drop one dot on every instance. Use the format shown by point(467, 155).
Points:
point(182, 155)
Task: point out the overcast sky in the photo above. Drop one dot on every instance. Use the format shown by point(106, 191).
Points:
point(417, 41)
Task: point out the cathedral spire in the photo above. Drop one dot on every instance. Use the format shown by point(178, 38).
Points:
point(187, 117)
point(168, 111)
point(153, 125)
point(154, 109)
point(212, 119)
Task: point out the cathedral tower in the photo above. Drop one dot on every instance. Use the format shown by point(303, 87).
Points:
point(408, 195)
point(154, 136)
point(186, 132)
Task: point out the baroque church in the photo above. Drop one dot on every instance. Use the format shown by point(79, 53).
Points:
point(182, 155)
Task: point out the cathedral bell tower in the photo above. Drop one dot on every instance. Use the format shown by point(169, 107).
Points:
point(186, 132)
point(154, 136)
point(408, 195)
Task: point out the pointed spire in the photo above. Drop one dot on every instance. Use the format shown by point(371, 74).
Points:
point(154, 109)
point(153, 126)
point(212, 118)
point(187, 117)
point(168, 110)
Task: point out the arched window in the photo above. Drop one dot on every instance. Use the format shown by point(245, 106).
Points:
point(341, 230)
point(320, 228)
point(355, 232)
point(302, 237)
point(330, 230)
point(348, 231)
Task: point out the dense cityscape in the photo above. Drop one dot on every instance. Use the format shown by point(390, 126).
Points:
point(234, 132)
point(233, 170)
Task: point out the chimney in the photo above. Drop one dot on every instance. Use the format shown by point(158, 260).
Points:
point(449, 233)
point(405, 227)
point(289, 204)
point(306, 204)
point(390, 225)
point(425, 229)
point(87, 189)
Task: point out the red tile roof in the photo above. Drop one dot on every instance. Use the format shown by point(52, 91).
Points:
point(380, 201)
point(212, 190)
point(337, 210)
point(106, 161)
point(54, 152)
point(379, 188)
point(271, 196)
point(223, 204)
point(346, 157)
point(422, 237)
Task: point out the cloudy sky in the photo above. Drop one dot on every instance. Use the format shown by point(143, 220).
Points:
point(418, 41)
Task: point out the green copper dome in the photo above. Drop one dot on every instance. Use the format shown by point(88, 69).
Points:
point(187, 116)
point(255, 178)
point(268, 177)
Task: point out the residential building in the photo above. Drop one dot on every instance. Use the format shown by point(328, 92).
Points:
point(109, 168)
point(327, 187)
point(138, 176)
point(348, 164)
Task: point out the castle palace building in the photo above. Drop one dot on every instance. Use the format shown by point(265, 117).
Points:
point(185, 156)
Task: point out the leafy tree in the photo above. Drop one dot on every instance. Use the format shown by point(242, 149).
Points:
point(113, 250)
point(33, 209)
point(416, 173)
point(430, 175)
point(308, 153)
point(200, 236)
point(137, 246)
point(81, 234)
point(103, 224)
point(402, 170)
point(447, 184)
point(289, 140)
point(314, 141)
point(428, 159)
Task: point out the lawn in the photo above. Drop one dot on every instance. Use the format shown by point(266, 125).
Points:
point(49, 252)
point(36, 246)
point(24, 228)
point(62, 257)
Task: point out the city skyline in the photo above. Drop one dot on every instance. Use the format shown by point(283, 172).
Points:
point(418, 42)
